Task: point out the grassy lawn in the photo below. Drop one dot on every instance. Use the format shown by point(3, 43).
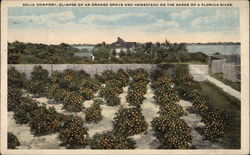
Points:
point(231, 105)
point(219, 76)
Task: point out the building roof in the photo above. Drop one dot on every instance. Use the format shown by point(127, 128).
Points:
point(121, 43)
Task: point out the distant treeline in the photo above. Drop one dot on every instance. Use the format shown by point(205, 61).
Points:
point(215, 43)
point(30, 53)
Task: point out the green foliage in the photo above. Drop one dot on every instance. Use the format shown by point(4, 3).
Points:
point(24, 112)
point(27, 53)
point(172, 110)
point(45, 121)
point(39, 81)
point(102, 52)
point(198, 56)
point(129, 121)
point(93, 113)
point(15, 51)
point(138, 74)
point(14, 98)
point(216, 120)
point(157, 73)
point(110, 140)
point(16, 79)
point(173, 133)
point(73, 102)
point(113, 100)
point(13, 142)
point(86, 93)
point(106, 75)
point(123, 77)
point(135, 97)
point(39, 74)
point(37, 87)
point(73, 134)
point(164, 91)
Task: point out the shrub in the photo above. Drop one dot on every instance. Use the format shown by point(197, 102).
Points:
point(70, 120)
point(135, 97)
point(14, 98)
point(138, 86)
point(45, 121)
point(110, 140)
point(37, 87)
point(113, 100)
point(73, 102)
point(110, 91)
point(13, 142)
point(91, 84)
point(93, 113)
point(74, 136)
point(53, 91)
point(24, 112)
point(173, 133)
point(106, 75)
point(138, 71)
point(73, 133)
point(129, 121)
point(114, 83)
point(172, 110)
point(39, 74)
point(56, 77)
point(16, 79)
point(86, 93)
point(216, 120)
point(123, 77)
point(214, 131)
point(157, 73)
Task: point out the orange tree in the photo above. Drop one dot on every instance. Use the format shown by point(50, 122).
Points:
point(14, 98)
point(111, 140)
point(39, 81)
point(216, 120)
point(16, 79)
point(93, 113)
point(173, 133)
point(129, 121)
point(164, 91)
point(73, 134)
point(45, 121)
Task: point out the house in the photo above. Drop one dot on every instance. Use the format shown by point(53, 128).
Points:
point(121, 45)
point(87, 55)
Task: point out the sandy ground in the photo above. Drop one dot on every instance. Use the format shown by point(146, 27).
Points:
point(145, 140)
point(200, 73)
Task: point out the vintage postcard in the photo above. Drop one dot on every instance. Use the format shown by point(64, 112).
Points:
point(124, 77)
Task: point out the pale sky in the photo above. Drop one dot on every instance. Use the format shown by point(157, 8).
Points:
point(95, 25)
